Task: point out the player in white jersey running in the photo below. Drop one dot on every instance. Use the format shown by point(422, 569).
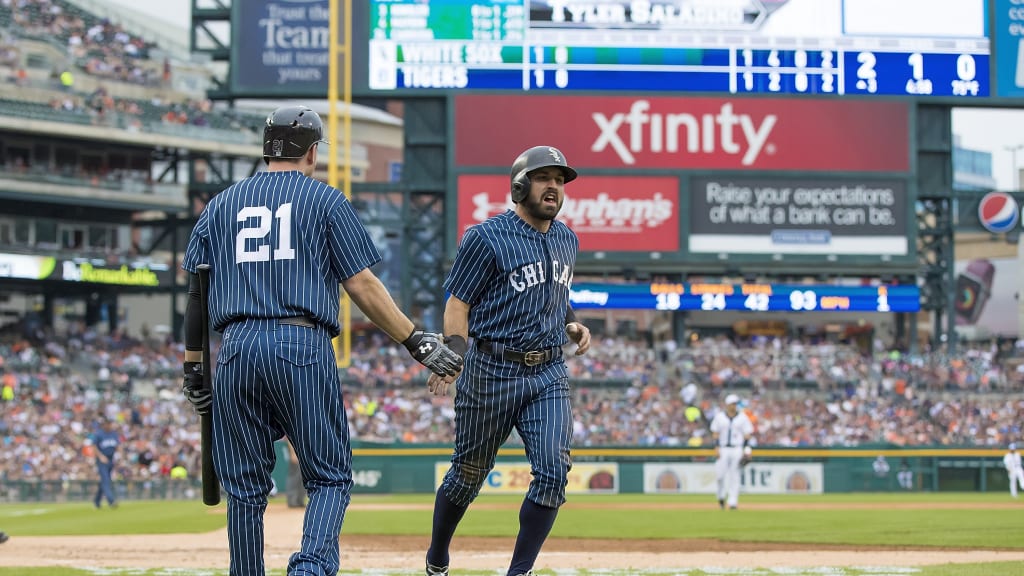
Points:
point(1011, 461)
point(731, 431)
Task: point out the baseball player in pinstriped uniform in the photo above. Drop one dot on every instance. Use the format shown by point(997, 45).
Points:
point(509, 290)
point(279, 243)
point(730, 431)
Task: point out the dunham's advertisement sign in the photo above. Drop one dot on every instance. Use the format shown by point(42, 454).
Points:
point(608, 213)
point(686, 133)
point(847, 216)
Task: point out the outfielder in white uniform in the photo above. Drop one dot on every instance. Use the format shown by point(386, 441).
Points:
point(1011, 461)
point(731, 431)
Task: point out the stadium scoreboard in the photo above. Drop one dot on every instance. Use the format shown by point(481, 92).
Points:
point(747, 297)
point(934, 48)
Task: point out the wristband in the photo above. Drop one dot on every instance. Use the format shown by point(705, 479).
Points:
point(457, 344)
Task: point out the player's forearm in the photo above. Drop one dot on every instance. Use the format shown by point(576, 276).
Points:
point(373, 298)
point(456, 318)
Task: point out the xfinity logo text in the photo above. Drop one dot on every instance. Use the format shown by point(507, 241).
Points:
point(640, 130)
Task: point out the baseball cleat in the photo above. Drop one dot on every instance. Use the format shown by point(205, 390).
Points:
point(436, 570)
point(4, 537)
point(721, 503)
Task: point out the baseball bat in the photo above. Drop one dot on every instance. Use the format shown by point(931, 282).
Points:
point(211, 484)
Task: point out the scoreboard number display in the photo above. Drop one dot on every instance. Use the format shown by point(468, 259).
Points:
point(747, 297)
point(922, 48)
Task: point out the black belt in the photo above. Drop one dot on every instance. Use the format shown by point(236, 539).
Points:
point(304, 321)
point(530, 358)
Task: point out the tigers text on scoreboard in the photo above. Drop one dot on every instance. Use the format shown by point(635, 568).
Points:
point(747, 297)
point(922, 48)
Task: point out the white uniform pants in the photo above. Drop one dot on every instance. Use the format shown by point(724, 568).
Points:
point(1016, 477)
point(727, 473)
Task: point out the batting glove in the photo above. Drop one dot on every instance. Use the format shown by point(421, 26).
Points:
point(430, 350)
point(193, 389)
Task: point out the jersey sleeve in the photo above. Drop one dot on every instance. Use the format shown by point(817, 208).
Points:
point(474, 263)
point(198, 244)
point(352, 249)
point(716, 425)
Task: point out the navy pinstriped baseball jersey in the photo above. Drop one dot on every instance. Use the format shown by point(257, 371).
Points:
point(283, 242)
point(516, 281)
point(279, 244)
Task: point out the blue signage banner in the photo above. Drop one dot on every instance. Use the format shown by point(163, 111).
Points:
point(1009, 48)
point(280, 48)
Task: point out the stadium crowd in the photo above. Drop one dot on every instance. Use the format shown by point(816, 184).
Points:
point(56, 390)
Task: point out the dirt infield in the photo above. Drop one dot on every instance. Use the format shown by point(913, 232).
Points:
point(283, 532)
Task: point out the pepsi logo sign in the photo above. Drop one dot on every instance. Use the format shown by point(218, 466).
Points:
point(998, 212)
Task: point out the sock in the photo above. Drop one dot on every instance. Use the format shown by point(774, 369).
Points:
point(535, 522)
point(447, 516)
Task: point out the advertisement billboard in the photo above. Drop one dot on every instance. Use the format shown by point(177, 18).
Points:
point(137, 274)
point(756, 478)
point(827, 216)
point(280, 48)
point(608, 213)
point(515, 478)
point(1009, 53)
point(678, 133)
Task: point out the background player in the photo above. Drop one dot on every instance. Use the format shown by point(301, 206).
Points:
point(509, 290)
point(1011, 461)
point(730, 431)
point(106, 440)
point(279, 243)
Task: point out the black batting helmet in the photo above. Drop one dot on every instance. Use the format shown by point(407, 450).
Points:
point(290, 131)
point(532, 159)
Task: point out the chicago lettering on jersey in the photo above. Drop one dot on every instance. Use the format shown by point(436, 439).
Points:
point(532, 274)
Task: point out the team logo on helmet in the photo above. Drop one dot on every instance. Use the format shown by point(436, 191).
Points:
point(554, 154)
point(997, 212)
point(277, 147)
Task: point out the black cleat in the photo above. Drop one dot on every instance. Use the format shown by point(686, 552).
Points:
point(436, 570)
point(721, 503)
point(4, 537)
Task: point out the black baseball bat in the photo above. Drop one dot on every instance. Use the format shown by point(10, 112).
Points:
point(211, 484)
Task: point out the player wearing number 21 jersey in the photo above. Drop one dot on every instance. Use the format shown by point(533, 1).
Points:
point(279, 243)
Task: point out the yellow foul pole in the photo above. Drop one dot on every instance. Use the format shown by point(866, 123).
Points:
point(341, 42)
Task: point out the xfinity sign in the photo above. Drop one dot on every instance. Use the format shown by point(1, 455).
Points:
point(671, 133)
point(661, 133)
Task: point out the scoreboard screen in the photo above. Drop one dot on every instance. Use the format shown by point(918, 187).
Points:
point(747, 297)
point(937, 48)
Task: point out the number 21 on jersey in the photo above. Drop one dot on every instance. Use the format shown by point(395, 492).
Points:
point(264, 221)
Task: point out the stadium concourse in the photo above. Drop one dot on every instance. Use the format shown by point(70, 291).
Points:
point(56, 388)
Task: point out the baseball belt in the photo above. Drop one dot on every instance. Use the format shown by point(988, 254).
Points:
point(530, 357)
point(303, 321)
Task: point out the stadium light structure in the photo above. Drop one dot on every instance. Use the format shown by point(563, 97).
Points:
point(1013, 161)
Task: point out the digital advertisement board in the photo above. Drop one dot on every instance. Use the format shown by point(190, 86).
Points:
point(827, 216)
point(920, 48)
point(684, 133)
point(280, 47)
point(608, 213)
point(135, 274)
point(750, 297)
point(1009, 36)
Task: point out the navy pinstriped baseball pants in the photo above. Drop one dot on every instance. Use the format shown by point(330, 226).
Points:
point(271, 380)
point(494, 396)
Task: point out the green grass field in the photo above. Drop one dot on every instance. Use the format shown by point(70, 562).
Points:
point(960, 521)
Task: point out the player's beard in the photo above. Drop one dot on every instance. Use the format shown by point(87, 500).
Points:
point(536, 207)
